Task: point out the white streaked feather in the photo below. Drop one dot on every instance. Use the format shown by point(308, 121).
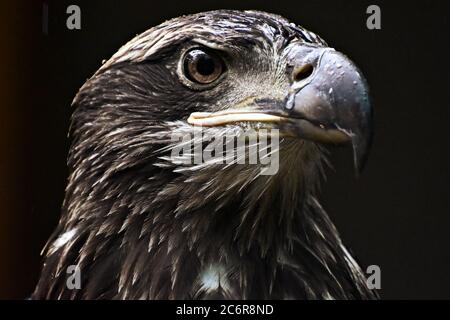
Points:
point(62, 240)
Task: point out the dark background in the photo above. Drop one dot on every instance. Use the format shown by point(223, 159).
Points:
point(396, 215)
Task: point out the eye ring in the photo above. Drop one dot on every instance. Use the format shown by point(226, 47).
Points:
point(202, 66)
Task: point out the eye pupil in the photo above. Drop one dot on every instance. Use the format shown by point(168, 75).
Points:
point(205, 65)
point(202, 67)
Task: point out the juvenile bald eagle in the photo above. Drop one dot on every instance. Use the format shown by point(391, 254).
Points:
point(140, 225)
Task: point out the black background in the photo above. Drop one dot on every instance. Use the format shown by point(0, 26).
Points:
point(396, 215)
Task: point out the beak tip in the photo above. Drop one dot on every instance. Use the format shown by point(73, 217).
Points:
point(361, 146)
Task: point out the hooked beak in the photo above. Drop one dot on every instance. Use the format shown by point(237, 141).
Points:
point(328, 102)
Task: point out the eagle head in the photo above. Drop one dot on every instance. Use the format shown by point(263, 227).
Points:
point(141, 223)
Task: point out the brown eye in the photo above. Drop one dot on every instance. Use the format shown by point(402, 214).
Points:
point(202, 67)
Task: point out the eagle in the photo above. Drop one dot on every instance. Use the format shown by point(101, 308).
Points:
point(138, 223)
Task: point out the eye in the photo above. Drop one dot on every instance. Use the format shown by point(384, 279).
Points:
point(202, 67)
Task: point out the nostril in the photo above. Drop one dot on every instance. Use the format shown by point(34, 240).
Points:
point(303, 72)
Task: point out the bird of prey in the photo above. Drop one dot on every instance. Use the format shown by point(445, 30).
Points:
point(138, 224)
